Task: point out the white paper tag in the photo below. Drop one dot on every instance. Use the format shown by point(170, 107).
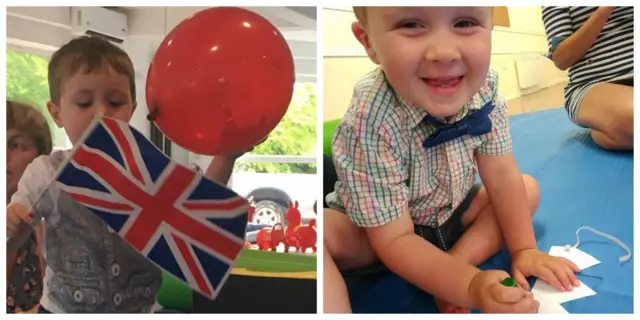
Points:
point(582, 259)
point(551, 307)
point(544, 292)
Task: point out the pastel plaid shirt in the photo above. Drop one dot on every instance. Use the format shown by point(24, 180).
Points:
point(383, 169)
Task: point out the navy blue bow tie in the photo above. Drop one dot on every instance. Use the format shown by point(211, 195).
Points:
point(475, 124)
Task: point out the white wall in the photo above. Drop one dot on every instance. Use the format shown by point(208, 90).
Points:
point(42, 30)
point(341, 52)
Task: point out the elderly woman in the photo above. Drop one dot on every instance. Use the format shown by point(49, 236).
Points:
point(28, 136)
point(596, 45)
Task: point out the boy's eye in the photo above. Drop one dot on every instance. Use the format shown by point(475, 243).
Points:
point(84, 104)
point(17, 144)
point(116, 103)
point(466, 23)
point(409, 25)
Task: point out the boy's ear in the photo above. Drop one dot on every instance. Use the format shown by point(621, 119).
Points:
point(363, 38)
point(54, 111)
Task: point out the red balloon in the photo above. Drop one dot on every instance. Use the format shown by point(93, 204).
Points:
point(221, 81)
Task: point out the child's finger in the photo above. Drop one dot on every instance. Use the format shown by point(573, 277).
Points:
point(549, 277)
point(572, 265)
point(526, 305)
point(26, 216)
point(520, 279)
point(561, 271)
point(572, 277)
point(504, 294)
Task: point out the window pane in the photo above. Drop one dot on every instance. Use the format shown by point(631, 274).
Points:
point(261, 167)
point(27, 82)
point(294, 136)
point(296, 133)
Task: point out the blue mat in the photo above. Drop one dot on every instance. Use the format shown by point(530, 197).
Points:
point(580, 185)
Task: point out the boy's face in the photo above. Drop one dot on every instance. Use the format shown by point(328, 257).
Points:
point(437, 58)
point(20, 152)
point(85, 95)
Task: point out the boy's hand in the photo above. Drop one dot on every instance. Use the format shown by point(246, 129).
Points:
point(221, 166)
point(18, 220)
point(234, 156)
point(490, 296)
point(556, 271)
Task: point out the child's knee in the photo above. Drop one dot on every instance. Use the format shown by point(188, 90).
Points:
point(533, 192)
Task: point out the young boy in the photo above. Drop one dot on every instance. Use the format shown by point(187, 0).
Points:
point(89, 268)
point(28, 136)
point(407, 151)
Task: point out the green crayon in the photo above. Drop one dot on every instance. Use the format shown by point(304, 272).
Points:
point(509, 282)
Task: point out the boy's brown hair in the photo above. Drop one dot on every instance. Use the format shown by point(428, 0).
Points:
point(361, 14)
point(87, 54)
point(31, 122)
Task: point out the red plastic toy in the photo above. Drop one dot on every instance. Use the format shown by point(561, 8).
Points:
point(269, 239)
point(296, 236)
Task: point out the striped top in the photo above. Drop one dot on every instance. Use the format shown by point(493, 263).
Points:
point(384, 171)
point(610, 56)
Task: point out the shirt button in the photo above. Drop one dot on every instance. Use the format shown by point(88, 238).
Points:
point(117, 299)
point(147, 292)
point(77, 295)
point(115, 269)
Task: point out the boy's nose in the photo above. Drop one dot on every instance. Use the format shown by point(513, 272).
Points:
point(442, 50)
point(102, 110)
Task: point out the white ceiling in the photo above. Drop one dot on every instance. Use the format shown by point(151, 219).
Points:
point(42, 30)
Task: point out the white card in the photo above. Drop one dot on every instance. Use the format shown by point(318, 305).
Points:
point(582, 259)
point(551, 307)
point(544, 292)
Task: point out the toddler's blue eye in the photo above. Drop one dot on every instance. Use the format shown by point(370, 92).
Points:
point(410, 25)
point(464, 24)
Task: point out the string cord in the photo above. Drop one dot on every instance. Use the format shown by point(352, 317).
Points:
point(602, 234)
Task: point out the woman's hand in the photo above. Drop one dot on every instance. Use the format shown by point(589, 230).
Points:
point(605, 11)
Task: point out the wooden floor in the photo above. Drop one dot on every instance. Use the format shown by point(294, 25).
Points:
point(548, 98)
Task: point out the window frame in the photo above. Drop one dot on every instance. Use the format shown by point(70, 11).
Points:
point(44, 52)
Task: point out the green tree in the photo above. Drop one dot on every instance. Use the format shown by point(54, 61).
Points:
point(27, 82)
point(295, 135)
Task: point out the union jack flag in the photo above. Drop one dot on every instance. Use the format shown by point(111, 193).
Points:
point(185, 223)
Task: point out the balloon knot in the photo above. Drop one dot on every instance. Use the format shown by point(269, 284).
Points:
point(153, 115)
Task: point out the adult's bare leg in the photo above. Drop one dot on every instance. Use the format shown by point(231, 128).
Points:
point(607, 109)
